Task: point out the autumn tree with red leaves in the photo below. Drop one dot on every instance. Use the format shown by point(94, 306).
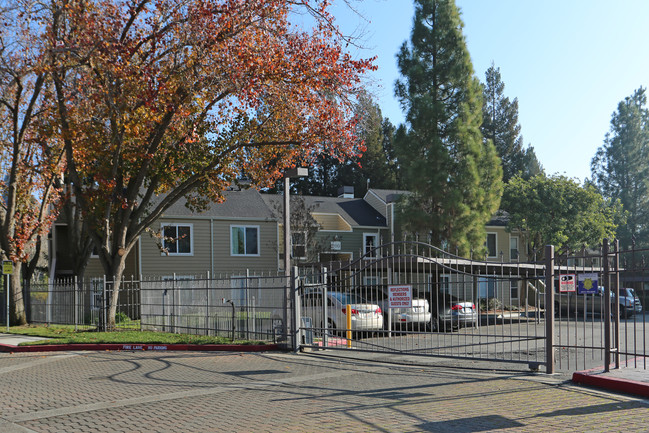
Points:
point(160, 100)
point(30, 155)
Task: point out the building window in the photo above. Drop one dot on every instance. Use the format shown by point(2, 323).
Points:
point(445, 284)
point(491, 245)
point(370, 242)
point(177, 239)
point(513, 247)
point(513, 289)
point(298, 245)
point(486, 288)
point(244, 240)
point(96, 293)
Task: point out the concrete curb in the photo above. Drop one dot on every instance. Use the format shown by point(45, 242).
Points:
point(132, 347)
point(598, 378)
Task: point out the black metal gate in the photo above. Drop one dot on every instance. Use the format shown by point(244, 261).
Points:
point(412, 298)
point(572, 312)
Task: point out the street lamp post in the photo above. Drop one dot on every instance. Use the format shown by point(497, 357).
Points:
point(291, 173)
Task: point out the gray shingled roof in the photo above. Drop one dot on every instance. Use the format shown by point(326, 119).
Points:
point(388, 195)
point(501, 219)
point(245, 203)
point(356, 211)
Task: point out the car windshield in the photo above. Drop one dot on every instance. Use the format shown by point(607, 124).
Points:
point(627, 292)
point(347, 298)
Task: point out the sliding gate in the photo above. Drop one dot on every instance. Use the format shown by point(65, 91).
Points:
point(411, 298)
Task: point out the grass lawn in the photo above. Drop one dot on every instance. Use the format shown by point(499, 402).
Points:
point(66, 334)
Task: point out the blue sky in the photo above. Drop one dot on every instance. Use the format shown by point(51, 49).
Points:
point(569, 63)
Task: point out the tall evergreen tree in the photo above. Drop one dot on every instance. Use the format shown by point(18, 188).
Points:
point(621, 166)
point(374, 168)
point(500, 125)
point(455, 176)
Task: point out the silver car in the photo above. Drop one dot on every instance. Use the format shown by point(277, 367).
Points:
point(416, 317)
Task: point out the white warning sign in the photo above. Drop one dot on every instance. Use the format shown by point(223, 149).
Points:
point(400, 296)
point(567, 283)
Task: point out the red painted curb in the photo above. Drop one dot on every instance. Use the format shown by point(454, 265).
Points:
point(135, 347)
point(616, 384)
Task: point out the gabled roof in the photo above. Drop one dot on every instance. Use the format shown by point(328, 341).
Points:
point(387, 195)
point(355, 211)
point(244, 203)
point(501, 219)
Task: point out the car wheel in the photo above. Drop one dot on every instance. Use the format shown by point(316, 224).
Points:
point(332, 327)
point(625, 313)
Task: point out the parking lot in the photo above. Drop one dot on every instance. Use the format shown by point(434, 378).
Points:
point(579, 342)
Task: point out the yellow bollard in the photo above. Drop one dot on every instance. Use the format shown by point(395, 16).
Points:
point(348, 312)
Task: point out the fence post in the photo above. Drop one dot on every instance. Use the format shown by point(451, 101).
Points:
point(325, 324)
point(549, 309)
point(173, 304)
point(76, 303)
point(247, 304)
point(104, 306)
point(296, 318)
point(207, 304)
point(607, 307)
point(616, 328)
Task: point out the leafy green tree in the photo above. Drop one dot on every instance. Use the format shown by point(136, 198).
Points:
point(559, 211)
point(500, 125)
point(621, 166)
point(455, 176)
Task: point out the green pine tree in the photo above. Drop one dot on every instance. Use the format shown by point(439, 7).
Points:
point(500, 125)
point(455, 176)
point(621, 167)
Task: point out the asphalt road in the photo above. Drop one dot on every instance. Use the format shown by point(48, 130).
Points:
point(144, 391)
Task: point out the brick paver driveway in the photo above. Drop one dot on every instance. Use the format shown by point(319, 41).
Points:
point(201, 392)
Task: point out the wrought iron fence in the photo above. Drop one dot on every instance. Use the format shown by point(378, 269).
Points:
point(248, 307)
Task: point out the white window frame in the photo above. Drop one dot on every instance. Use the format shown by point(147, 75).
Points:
point(518, 248)
point(376, 244)
point(513, 285)
point(245, 227)
point(163, 226)
point(372, 280)
point(486, 243)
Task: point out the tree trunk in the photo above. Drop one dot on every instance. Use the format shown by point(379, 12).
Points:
point(17, 303)
point(119, 265)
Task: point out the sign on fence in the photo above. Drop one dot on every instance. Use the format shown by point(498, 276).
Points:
point(567, 283)
point(400, 296)
point(587, 284)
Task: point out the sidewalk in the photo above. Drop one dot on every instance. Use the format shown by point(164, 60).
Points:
point(630, 379)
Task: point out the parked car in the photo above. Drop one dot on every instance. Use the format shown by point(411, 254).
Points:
point(594, 303)
point(417, 317)
point(629, 302)
point(365, 316)
point(449, 312)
